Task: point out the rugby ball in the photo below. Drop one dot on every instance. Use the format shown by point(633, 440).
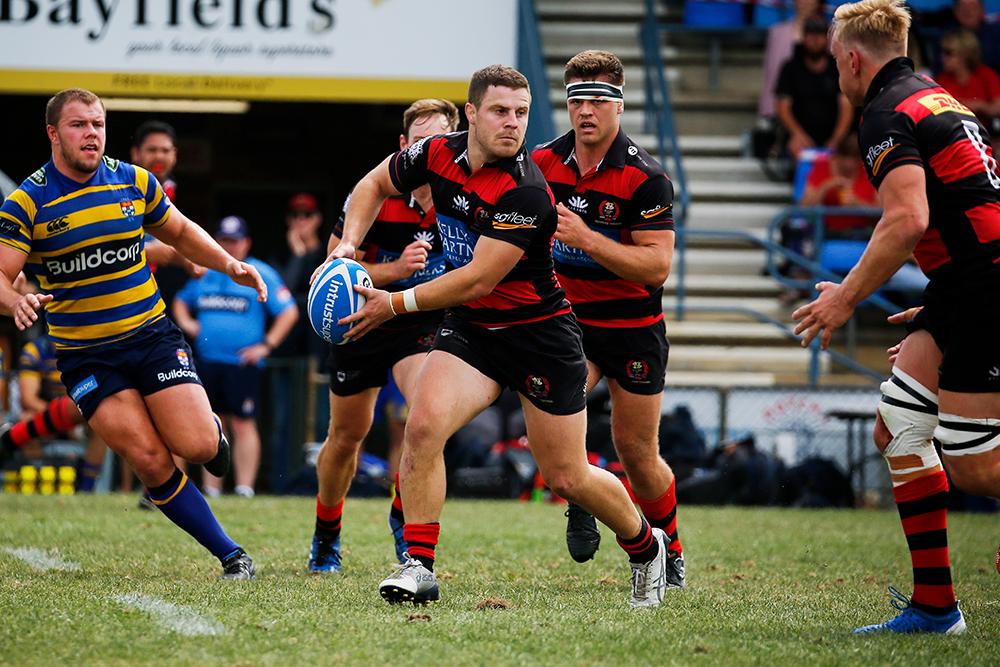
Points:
point(332, 297)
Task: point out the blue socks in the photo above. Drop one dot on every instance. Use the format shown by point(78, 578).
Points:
point(181, 501)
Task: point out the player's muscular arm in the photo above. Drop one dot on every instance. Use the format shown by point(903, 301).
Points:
point(905, 216)
point(647, 260)
point(22, 307)
point(197, 245)
point(904, 220)
point(366, 200)
point(491, 261)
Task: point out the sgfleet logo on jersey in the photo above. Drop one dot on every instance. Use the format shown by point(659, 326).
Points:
point(93, 261)
point(878, 152)
point(514, 220)
point(577, 203)
point(939, 103)
point(461, 203)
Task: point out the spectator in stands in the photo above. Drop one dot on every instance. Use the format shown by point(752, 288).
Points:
point(810, 104)
point(965, 76)
point(230, 326)
point(782, 39)
point(971, 15)
point(306, 252)
point(839, 179)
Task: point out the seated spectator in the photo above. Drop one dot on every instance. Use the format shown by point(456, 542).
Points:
point(810, 104)
point(965, 76)
point(971, 15)
point(782, 39)
point(839, 179)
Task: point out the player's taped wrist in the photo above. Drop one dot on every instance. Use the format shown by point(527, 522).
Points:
point(410, 301)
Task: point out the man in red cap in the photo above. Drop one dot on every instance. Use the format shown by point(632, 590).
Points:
point(306, 251)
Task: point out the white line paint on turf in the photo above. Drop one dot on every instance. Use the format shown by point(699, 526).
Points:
point(178, 618)
point(41, 559)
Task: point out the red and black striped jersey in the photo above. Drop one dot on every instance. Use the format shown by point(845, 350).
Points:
point(627, 192)
point(506, 200)
point(910, 119)
point(399, 223)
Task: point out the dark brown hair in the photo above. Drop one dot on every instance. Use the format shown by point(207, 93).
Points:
point(588, 65)
point(494, 75)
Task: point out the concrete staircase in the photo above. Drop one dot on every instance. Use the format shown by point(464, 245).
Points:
point(727, 190)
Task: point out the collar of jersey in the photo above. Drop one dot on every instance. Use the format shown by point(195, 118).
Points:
point(891, 70)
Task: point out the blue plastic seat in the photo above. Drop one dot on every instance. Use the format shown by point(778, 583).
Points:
point(713, 14)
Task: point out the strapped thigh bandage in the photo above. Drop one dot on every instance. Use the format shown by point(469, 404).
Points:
point(963, 436)
point(909, 412)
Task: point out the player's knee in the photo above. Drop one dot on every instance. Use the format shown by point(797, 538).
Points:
point(562, 480)
point(638, 454)
point(880, 434)
point(905, 428)
point(966, 443)
point(149, 460)
point(344, 441)
point(423, 433)
point(974, 480)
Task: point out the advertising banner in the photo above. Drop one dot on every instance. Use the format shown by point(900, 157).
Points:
point(318, 50)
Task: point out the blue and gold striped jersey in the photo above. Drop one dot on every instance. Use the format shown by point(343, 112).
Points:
point(38, 359)
point(84, 243)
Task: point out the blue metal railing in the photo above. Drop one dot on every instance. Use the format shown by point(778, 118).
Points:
point(531, 63)
point(659, 119)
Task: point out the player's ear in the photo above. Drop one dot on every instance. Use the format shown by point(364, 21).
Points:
point(402, 141)
point(470, 113)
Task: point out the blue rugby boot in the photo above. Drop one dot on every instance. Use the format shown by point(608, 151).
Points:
point(396, 528)
point(324, 556)
point(912, 620)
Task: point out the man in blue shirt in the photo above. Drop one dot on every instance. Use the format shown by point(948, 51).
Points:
point(230, 327)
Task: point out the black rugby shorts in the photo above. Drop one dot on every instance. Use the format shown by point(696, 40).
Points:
point(543, 361)
point(366, 363)
point(964, 324)
point(635, 358)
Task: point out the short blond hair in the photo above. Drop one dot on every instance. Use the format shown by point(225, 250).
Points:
point(429, 107)
point(878, 26)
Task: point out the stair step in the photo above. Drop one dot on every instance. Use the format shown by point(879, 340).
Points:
point(727, 308)
point(740, 285)
point(722, 262)
point(588, 10)
point(742, 358)
point(732, 190)
point(741, 216)
point(710, 144)
point(731, 169)
point(691, 332)
point(717, 379)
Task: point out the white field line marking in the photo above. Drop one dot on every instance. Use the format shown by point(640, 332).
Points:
point(43, 560)
point(178, 618)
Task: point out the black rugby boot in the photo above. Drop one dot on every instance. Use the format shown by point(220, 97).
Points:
point(582, 536)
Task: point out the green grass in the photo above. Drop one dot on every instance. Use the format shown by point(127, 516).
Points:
point(766, 586)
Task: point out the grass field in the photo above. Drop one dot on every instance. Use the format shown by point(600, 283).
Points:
point(766, 586)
